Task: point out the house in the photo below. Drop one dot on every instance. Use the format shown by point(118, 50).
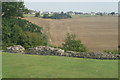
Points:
point(92, 13)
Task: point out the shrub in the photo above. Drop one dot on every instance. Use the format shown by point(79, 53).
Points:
point(60, 16)
point(112, 51)
point(57, 16)
point(73, 45)
point(21, 32)
point(37, 14)
point(46, 16)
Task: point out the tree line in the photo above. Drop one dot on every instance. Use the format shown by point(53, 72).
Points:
point(54, 16)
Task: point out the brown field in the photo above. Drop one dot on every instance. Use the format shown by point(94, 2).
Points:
point(97, 33)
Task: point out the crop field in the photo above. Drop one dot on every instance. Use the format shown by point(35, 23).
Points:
point(38, 66)
point(97, 33)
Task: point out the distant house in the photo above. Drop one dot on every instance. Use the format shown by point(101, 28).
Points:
point(92, 13)
point(41, 12)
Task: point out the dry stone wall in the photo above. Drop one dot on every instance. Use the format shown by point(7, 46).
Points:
point(45, 50)
point(16, 49)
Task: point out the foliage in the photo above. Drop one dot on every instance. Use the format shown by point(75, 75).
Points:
point(37, 39)
point(46, 16)
point(21, 32)
point(112, 13)
point(13, 9)
point(26, 11)
point(112, 51)
point(60, 16)
point(73, 45)
point(17, 31)
point(53, 46)
point(57, 16)
point(37, 14)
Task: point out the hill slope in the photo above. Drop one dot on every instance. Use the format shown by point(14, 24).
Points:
point(37, 66)
point(97, 33)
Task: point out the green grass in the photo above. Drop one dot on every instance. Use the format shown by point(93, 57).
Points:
point(80, 16)
point(38, 66)
point(28, 15)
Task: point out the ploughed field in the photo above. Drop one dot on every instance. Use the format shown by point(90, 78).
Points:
point(38, 66)
point(97, 33)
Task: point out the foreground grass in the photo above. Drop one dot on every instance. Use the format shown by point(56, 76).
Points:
point(37, 66)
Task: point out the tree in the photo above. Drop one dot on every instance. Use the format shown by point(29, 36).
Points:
point(46, 16)
point(37, 14)
point(13, 9)
point(21, 32)
point(73, 45)
point(101, 14)
point(61, 15)
point(112, 13)
point(26, 11)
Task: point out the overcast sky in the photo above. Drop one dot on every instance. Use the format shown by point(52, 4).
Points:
point(71, 0)
point(73, 6)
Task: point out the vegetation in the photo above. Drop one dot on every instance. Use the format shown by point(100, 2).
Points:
point(57, 16)
point(112, 51)
point(60, 16)
point(37, 14)
point(82, 16)
point(28, 15)
point(46, 16)
point(17, 31)
point(21, 32)
point(73, 45)
point(37, 66)
point(112, 13)
point(13, 9)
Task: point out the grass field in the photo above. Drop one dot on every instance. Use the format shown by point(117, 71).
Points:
point(97, 33)
point(80, 16)
point(28, 15)
point(37, 66)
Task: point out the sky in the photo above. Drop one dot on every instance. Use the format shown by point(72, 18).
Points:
point(73, 6)
point(71, 0)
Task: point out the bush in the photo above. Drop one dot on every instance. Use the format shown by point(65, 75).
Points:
point(21, 32)
point(46, 16)
point(112, 51)
point(37, 14)
point(73, 45)
point(60, 16)
point(57, 16)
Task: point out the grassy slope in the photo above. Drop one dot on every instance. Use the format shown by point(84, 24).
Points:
point(37, 66)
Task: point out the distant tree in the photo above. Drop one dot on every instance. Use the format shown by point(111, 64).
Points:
point(71, 44)
point(37, 14)
point(62, 12)
point(46, 16)
point(26, 11)
point(13, 9)
point(112, 13)
point(101, 14)
point(60, 16)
